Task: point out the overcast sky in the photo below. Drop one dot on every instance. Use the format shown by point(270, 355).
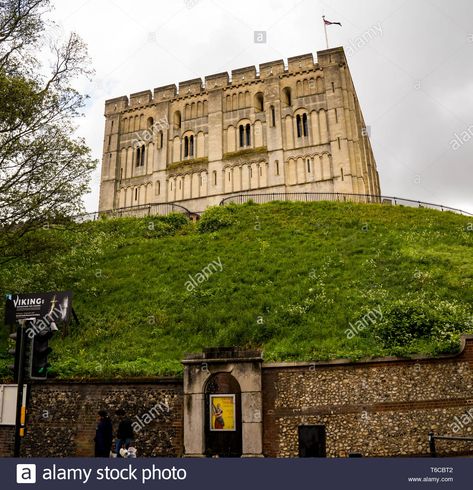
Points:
point(411, 62)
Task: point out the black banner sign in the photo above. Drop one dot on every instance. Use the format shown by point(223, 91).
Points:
point(54, 306)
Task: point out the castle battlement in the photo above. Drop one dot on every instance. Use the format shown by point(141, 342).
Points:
point(238, 77)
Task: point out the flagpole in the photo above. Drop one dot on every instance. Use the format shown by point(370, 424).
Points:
point(325, 29)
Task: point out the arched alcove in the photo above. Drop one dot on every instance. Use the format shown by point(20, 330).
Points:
point(223, 429)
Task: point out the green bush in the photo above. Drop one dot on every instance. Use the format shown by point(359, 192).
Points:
point(406, 322)
point(215, 218)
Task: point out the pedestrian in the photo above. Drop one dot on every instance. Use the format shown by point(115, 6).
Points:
point(124, 432)
point(103, 435)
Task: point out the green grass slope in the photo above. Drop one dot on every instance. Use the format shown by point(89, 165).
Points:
point(303, 281)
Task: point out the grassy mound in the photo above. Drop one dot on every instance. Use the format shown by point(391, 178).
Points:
point(304, 281)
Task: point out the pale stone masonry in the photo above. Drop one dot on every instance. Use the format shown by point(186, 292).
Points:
point(294, 128)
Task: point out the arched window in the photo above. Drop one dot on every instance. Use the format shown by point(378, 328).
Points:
point(242, 135)
point(273, 116)
point(215, 177)
point(158, 187)
point(138, 156)
point(136, 193)
point(259, 101)
point(177, 120)
point(308, 166)
point(142, 155)
point(277, 167)
point(341, 173)
point(287, 99)
point(150, 122)
point(302, 125)
point(160, 139)
point(191, 146)
point(186, 146)
point(248, 137)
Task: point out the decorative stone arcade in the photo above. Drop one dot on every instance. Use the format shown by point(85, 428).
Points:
point(223, 403)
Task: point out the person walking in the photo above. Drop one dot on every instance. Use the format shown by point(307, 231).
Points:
point(103, 435)
point(124, 433)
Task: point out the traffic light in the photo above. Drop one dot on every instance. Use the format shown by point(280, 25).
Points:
point(39, 352)
point(14, 350)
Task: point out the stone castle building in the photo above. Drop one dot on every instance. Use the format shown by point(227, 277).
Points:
point(294, 128)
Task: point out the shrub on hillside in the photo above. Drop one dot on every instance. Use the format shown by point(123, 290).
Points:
point(215, 218)
point(408, 321)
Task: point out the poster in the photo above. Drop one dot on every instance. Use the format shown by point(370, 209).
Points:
point(222, 412)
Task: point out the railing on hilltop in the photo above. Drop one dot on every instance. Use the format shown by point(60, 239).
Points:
point(337, 196)
point(139, 211)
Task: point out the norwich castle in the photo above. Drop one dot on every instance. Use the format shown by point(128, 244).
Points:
point(281, 128)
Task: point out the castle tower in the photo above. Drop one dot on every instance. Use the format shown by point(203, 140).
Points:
point(294, 128)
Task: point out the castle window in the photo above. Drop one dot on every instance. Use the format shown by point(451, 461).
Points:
point(308, 165)
point(121, 173)
point(150, 122)
point(142, 155)
point(333, 87)
point(341, 173)
point(191, 146)
point(160, 139)
point(158, 187)
point(338, 141)
point(299, 125)
point(259, 101)
point(287, 99)
point(302, 125)
point(186, 147)
point(242, 135)
point(261, 171)
point(336, 115)
point(248, 137)
point(214, 173)
point(277, 167)
point(136, 193)
point(138, 156)
point(273, 116)
point(177, 120)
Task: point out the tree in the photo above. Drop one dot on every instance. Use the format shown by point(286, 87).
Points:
point(44, 169)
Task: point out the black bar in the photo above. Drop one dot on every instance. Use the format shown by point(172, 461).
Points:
point(19, 394)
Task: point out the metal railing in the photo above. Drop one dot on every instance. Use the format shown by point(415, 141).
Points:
point(339, 197)
point(140, 211)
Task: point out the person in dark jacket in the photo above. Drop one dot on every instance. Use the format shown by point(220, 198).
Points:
point(124, 433)
point(103, 435)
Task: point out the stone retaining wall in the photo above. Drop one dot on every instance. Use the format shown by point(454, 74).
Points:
point(62, 417)
point(378, 408)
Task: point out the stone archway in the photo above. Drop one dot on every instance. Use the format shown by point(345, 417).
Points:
point(223, 371)
point(222, 403)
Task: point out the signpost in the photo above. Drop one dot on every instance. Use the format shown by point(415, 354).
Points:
point(36, 316)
